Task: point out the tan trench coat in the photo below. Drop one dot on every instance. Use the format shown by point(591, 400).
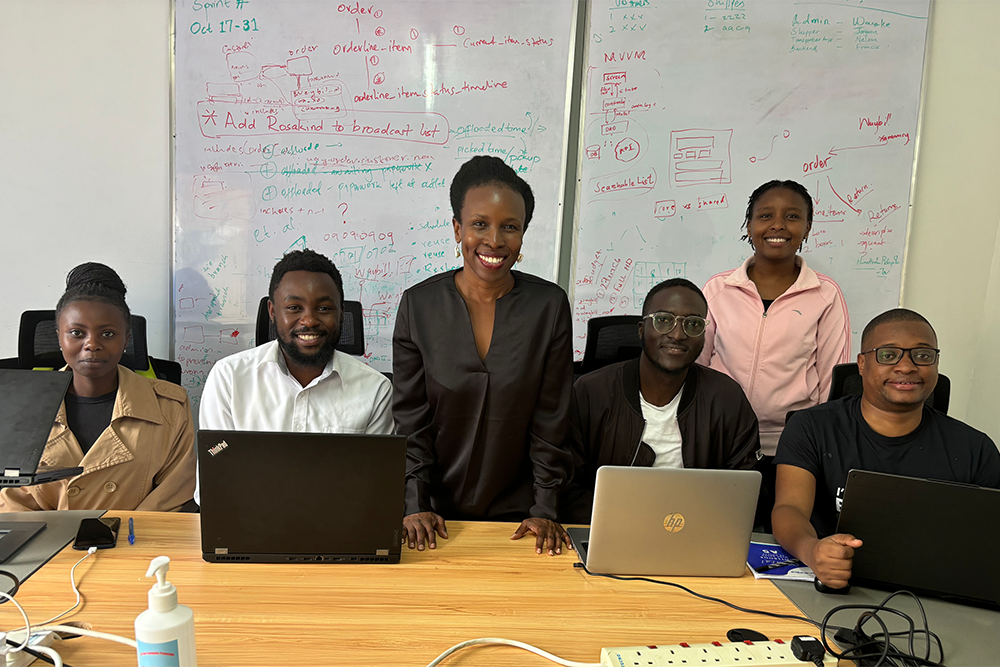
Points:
point(145, 459)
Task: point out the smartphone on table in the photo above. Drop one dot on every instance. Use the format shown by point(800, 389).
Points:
point(101, 533)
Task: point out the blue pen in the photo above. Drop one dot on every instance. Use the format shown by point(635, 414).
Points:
point(131, 531)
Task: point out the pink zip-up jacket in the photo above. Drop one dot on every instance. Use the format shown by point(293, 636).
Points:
point(783, 358)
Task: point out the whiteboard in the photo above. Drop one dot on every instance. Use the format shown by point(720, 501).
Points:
point(338, 127)
point(692, 104)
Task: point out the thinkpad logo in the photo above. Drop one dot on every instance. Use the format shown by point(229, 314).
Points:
point(218, 448)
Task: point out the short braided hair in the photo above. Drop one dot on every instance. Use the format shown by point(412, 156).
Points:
point(93, 281)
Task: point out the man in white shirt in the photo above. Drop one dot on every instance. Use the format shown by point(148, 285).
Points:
point(298, 382)
point(661, 409)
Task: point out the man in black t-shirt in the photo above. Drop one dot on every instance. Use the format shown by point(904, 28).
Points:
point(886, 429)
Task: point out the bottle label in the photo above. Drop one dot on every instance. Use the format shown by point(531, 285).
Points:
point(162, 654)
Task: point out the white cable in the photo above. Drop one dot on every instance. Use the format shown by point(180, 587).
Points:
point(73, 630)
point(27, 623)
point(72, 582)
point(510, 642)
point(51, 652)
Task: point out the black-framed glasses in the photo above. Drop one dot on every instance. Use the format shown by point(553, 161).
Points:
point(665, 322)
point(920, 356)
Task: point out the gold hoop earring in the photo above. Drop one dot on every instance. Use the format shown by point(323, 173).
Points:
point(458, 251)
point(520, 258)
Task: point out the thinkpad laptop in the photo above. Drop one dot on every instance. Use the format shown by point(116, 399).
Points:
point(668, 521)
point(301, 497)
point(29, 403)
point(927, 536)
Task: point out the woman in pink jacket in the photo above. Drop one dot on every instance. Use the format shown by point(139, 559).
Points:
point(776, 326)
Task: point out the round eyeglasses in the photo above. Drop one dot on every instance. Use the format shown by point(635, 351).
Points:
point(920, 356)
point(665, 322)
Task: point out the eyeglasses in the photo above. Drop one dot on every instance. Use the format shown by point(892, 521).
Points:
point(664, 323)
point(920, 356)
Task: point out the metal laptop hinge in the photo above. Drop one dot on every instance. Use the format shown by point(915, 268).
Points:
point(221, 551)
point(12, 472)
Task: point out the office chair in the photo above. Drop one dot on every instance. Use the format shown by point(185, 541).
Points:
point(38, 347)
point(352, 330)
point(847, 382)
point(611, 339)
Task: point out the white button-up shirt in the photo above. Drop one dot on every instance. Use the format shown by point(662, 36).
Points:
point(253, 391)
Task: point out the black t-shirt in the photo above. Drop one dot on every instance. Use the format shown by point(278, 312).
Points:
point(832, 438)
point(87, 417)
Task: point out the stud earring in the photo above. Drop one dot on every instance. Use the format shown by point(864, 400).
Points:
point(520, 258)
point(458, 251)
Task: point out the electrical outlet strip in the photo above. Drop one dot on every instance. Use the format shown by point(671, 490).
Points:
point(716, 654)
point(22, 659)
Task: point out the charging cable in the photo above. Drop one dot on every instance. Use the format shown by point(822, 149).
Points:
point(72, 582)
point(510, 642)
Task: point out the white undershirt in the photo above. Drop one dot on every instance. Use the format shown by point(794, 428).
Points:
point(662, 433)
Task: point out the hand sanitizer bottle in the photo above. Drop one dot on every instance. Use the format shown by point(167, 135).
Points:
point(165, 632)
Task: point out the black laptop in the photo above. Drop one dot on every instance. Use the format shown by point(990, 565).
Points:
point(29, 403)
point(926, 536)
point(271, 497)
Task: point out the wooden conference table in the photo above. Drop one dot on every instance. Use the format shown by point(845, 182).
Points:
point(476, 584)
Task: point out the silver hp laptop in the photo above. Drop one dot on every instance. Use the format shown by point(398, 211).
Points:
point(29, 403)
point(669, 522)
point(301, 497)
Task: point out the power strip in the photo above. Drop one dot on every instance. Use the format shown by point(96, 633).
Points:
point(716, 654)
point(22, 659)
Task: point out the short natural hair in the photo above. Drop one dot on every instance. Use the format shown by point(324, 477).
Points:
point(890, 316)
point(794, 186)
point(673, 282)
point(305, 260)
point(93, 281)
point(489, 170)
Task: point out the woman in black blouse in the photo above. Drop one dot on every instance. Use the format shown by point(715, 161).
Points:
point(482, 372)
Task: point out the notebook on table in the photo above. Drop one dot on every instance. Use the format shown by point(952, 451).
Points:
point(927, 536)
point(270, 497)
point(29, 403)
point(669, 522)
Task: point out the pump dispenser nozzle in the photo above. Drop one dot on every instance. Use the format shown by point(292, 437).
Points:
point(163, 595)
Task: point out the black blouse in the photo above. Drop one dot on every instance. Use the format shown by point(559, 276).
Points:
point(485, 437)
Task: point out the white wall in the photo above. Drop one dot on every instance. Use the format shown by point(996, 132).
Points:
point(85, 173)
point(84, 153)
point(954, 248)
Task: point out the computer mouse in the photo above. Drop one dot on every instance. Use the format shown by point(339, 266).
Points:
point(823, 588)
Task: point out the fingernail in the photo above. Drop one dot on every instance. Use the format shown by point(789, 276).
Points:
point(538, 551)
point(550, 552)
point(433, 545)
point(420, 548)
point(412, 545)
point(558, 551)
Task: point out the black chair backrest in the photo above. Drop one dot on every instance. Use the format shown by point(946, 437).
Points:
point(611, 339)
point(847, 382)
point(38, 343)
point(352, 330)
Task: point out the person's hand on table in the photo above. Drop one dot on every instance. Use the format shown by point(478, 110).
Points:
point(831, 559)
point(549, 535)
point(420, 528)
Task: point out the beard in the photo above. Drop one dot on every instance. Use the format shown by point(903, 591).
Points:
point(319, 359)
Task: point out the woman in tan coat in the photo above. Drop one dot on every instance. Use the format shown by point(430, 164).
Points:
point(133, 436)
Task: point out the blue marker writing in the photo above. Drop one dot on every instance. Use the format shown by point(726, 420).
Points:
point(131, 531)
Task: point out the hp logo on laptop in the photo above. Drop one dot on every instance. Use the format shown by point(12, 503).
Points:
point(673, 522)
